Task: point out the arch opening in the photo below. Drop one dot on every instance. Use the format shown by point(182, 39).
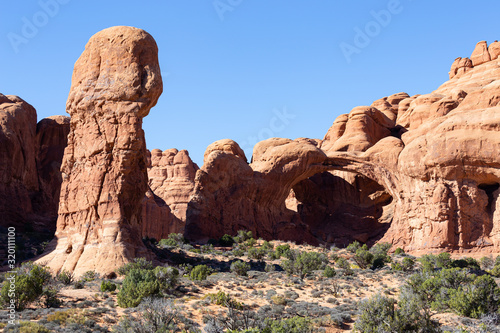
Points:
point(340, 207)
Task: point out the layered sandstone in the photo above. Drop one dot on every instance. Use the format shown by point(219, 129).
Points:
point(116, 81)
point(421, 172)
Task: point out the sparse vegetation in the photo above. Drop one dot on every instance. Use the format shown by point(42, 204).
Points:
point(240, 267)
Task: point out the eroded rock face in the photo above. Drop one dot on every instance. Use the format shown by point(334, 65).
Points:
point(18, 172)
point(116, 81)
point(51, 140)
point(171, 176)
point(231, 194)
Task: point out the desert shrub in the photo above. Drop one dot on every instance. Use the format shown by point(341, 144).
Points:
point(155, 315)
point(90, 276)
point(107, 286)
point(140, 283)
point(432, 262)
point(250, 242)
point(303, 263)
point(379, 314)
point(281, 251)
point(223, 299)
point(495, 271)
point(207, 248)
point(486, 263)
point(329, 272)
point(242, 236)
point(238, 252)
point(240, 267)
point(267, 246)
point(226, 240)
point(470, 263)
point(200, 273)
point(31, 283)
point(257, 253)
point(363, 257)
point(172, 240)
point(353, 247)
point(408, 264)
point(344, 265)
point(137, 263)
point(65, 277)
point(477, 298)
point(399, 251)
point(79, 284)
point(380, 251)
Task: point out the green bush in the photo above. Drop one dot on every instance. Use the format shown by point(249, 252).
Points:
point(399, 251)
point(475, 299)
point(200, 273)
point(470, 263)
point(303, 263)
point(238, 252)
point(344, 265)
point(226, 240)
point(380, 255)
point(65, 277)
point(380, 314)
point(432, 262)
point(242, 236)
point(250, 242)
point(240, 267)
point(363, 257)
point(223, 299)
point(140, 283)
point(173, 240)
point(268, 246)
point(107, 286)
point(257, 253)
point(207, 248)
point(329, 272)
point(90, 276)
point(290, 325)
point(31, 283)
point(486, 263)
point(495, 271)
point(353, 247)
point(281, 251)
point(269, 267)
point(137, 263)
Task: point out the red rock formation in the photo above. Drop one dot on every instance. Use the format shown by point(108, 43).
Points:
point(423, 173)
point(116, 81)
point(230, 194)
point(171, 176)
point(18, 174)
point(51, 139)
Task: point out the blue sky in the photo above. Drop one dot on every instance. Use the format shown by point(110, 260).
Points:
point(248, 69)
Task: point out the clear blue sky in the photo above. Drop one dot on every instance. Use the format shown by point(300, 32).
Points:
point(230, 66)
